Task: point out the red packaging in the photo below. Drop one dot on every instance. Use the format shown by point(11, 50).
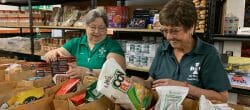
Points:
point(67, 86)
point(78, 99)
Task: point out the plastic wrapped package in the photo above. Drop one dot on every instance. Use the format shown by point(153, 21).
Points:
point(70, 16)
point(16, 44)
point(56, 14)
point(80, 21)
point(114, 84)
point(170, 97)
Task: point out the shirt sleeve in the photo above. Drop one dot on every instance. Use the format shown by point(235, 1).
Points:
point(115, 47)
point(71, 45)
point(214, 76)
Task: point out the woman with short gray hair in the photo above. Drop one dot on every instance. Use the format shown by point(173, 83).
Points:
point(91, 50)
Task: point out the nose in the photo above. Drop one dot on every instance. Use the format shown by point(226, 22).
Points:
point(96, 30)
point(169, 36)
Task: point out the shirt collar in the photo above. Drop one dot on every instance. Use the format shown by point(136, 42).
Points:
point(84, 41)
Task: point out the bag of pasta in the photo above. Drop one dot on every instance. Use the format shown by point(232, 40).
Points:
point(114, 84)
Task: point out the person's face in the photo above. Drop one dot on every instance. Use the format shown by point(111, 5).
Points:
point(96, 30)
point(176, 36)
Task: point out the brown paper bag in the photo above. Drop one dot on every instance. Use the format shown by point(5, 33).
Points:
point(2, 75)
point(43, 82)
point(61, 104)
point(190, 104)
point(101, 104)
point(9, 89)
point(41, 104)
point(68, 105)
point(18, 76)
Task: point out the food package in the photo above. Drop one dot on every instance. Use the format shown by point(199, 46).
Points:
point(70, 15)
point(80, 21)
point(56, 14)
point(170, 97)
point(114, 84)
point(205, 104)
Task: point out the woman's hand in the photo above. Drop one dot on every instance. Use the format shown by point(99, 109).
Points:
point(76, 71)
point(53, 54)
point(145, 83)
point(167, 82)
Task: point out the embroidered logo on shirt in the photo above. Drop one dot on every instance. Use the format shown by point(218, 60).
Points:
point(102, 52)
point(194, 69)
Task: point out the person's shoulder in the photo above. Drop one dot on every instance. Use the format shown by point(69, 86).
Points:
point(111, 41)
point(207, 47)
point(76, 39)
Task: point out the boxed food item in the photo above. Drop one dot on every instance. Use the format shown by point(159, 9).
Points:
point(114, 84)
point(117, 16)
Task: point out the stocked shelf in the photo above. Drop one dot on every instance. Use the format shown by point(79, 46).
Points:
point(142, 69)
point(109, 30)
point(35, 2)
point(218, 37)
point(20, 55)
point(241, 87)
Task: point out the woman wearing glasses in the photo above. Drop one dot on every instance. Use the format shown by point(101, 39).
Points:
point(185, 60)
point(92, 49)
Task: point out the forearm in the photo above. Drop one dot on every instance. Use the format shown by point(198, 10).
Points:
point(209, 94)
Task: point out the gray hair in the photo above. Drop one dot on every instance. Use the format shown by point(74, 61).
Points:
point(95, 13)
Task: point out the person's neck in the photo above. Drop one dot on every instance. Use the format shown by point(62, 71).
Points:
point(188, 47)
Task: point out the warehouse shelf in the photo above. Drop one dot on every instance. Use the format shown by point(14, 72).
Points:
point(241, 87)
point(142, 69)
point(35, 2)
point(20, 55)
point(220, 37)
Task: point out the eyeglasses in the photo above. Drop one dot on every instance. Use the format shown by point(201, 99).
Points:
point(173, 31)
point(99, 29)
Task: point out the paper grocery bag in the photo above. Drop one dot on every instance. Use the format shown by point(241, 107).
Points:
point(60, 104)
point(9, 89)
point(101, 104)
point(43, 82)
point(2, 75)
point(18, 76)
point(41, 104)
point(190, 104)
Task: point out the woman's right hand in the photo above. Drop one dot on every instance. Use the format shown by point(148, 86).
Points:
point(53, 54)
point(76, 71)
point(145, 83)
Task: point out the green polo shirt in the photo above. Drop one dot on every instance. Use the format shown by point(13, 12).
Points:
point(93, 59)
point(202, 67)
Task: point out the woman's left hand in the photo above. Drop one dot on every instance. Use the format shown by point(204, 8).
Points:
point(76, 71)
point(167, 82)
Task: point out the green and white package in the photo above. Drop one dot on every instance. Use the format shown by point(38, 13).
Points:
point(170, 97)
point(114, 84)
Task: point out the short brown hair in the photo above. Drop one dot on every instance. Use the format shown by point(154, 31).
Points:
point(179, 13)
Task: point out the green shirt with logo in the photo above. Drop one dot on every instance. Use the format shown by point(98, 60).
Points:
point(93, 59)
point(202, 67)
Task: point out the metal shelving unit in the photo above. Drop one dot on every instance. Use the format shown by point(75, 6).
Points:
point(31, 3)
point(219, 37)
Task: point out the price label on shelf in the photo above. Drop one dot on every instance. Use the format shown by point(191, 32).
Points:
point(110, 31)
point(56, 33)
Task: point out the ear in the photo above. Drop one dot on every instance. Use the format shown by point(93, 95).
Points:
point(191, 31)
